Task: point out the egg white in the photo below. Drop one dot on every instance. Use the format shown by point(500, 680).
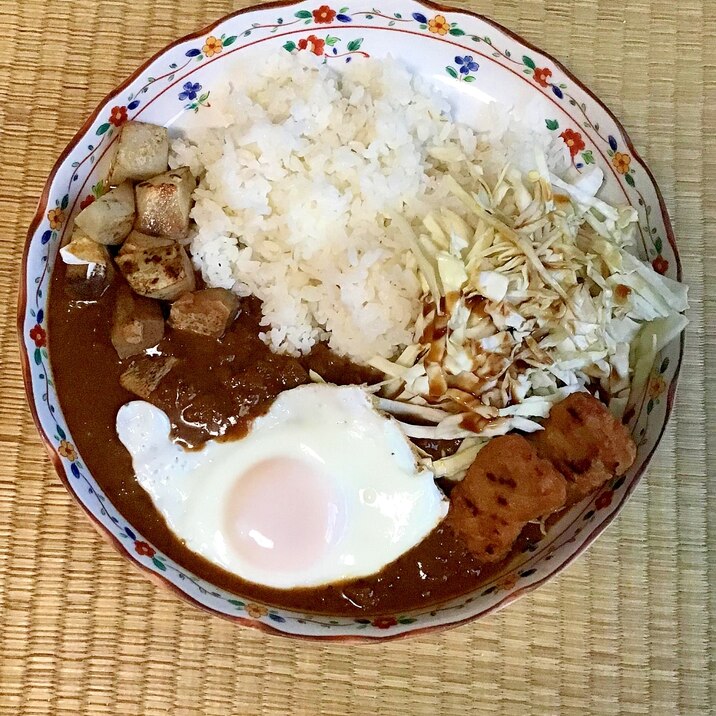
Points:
point(390, 503)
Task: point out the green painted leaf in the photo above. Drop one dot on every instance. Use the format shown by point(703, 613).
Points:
point(487, 40)
point(102, 128)
point(451, 71)
point(470, 78)
point(343, 10)
point(528, 62)
point(588, 157)
point(552, 124)
point(289, 46)
point(422, 27)
point(657, 244)
point(65, 201)
point(629, 179)
point(664, 365)
point(159, 564)
point(203, 98)
point(38, 356)
point(303, 14)
point(330, 40)
point(649, 406)
point(456, 31)
point(229, 41)
point(354, 45)
point(406, 620)
point(236, 603)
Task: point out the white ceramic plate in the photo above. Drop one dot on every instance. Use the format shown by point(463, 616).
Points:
point(473, 61)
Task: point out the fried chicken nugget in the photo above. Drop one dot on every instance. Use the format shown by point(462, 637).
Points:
point(586, 443)
point(507, 486)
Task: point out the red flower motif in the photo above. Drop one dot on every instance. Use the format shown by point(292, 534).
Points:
point(118, 116)
point(573, 140)
point(384, 622)
point(86, 201)
point(38, 334)
point(542, 76)
point(660, 264)
point(604, 500)
point(315, 44)
point(324, 15)
point(144, 549)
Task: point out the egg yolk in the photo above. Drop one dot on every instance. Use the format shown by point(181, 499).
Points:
point(283, 514)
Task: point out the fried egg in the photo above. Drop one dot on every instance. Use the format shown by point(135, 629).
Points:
point(322, 489)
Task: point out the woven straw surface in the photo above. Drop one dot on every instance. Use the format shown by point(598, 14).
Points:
point(628, 629)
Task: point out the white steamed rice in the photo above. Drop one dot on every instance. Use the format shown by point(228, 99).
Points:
point(299, 176)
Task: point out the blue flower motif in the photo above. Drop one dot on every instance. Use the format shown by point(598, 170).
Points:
point(467, 64)
point(191, 90)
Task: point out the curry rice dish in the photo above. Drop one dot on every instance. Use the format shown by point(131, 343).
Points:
point(436, 475)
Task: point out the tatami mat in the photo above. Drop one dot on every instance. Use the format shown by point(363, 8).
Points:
point(628, 629)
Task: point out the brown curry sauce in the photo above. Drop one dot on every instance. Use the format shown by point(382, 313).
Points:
point(215, 391)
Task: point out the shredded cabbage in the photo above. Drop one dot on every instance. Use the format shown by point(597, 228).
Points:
point(529, 296)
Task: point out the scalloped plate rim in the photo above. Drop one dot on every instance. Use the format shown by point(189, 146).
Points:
point(158, 577)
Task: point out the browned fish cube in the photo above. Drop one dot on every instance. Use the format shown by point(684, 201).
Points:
point(142, 152)
point(586, 443)
point(507, 486)
point(137, 323)
point(208, 312)
point(164, 272)
point(145, 374)
point(137, 241)
point(164, 203)
point(109, 219)
point(89, 270)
